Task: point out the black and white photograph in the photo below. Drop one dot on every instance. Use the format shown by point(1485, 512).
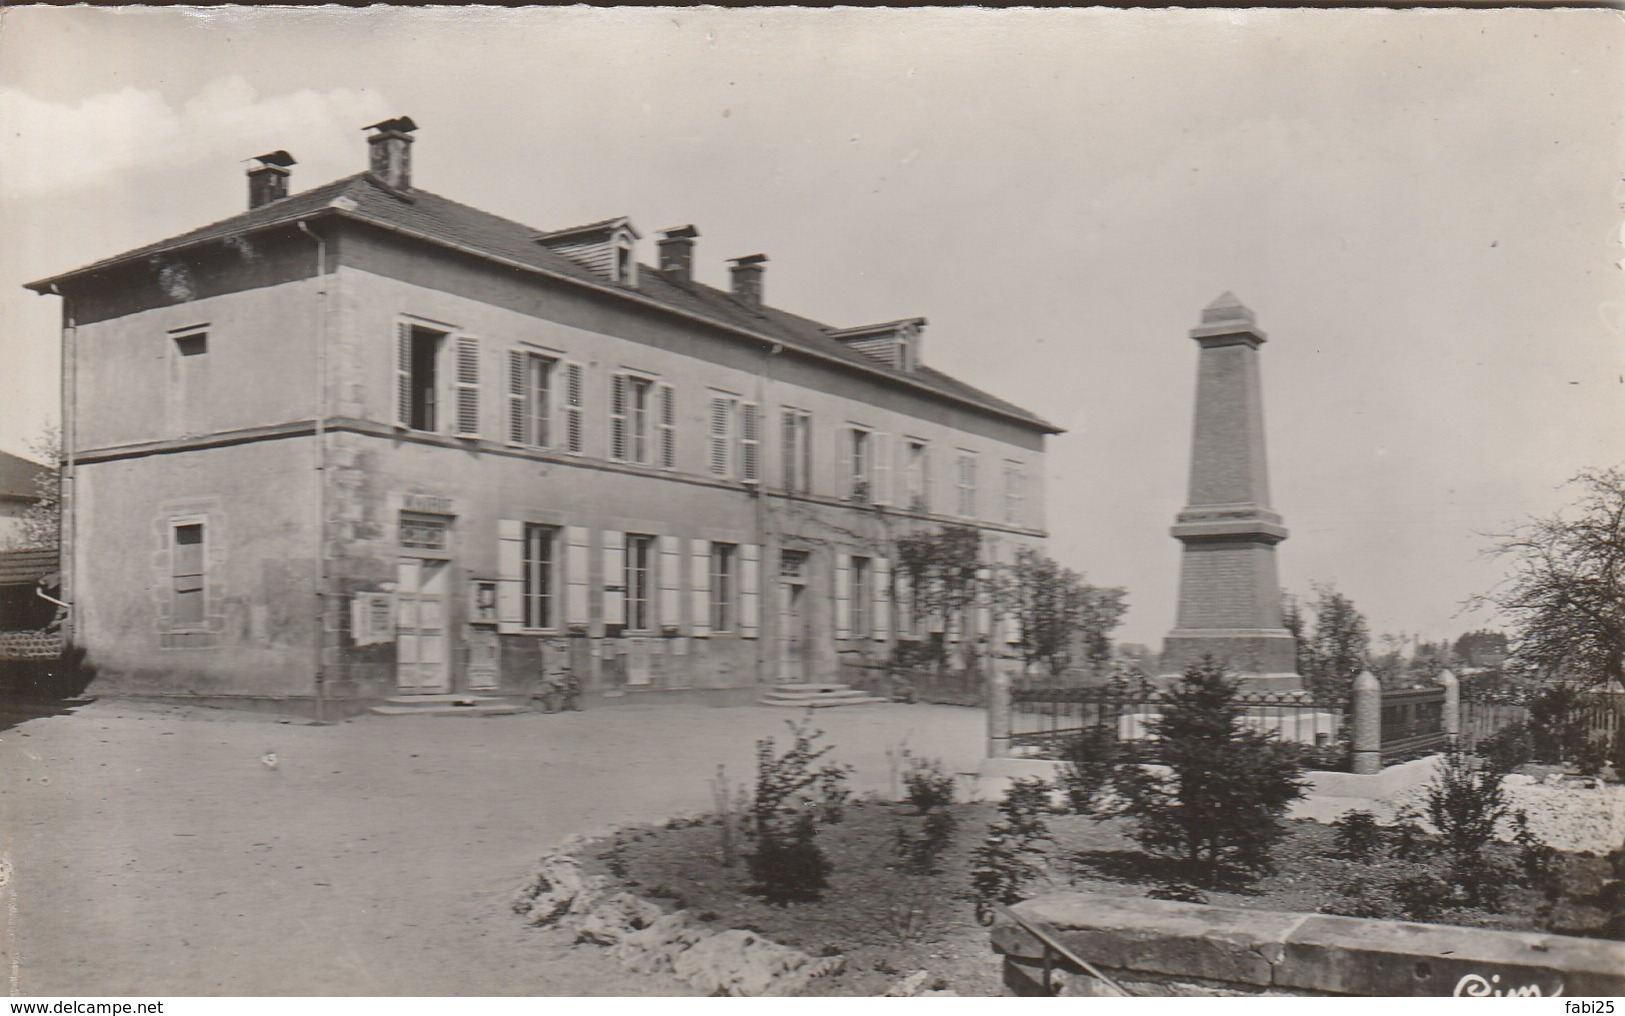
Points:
point(847, 502)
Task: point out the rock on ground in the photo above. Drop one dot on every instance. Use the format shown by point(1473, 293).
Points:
point(558, 888)
point(615, 917)
point(743, 963)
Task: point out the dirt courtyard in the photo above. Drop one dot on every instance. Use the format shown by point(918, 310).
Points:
point(151, 851)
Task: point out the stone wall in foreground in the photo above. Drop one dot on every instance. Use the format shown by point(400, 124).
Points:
point(1160, 947)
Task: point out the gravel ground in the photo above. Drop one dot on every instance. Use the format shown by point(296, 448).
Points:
point(153, 852)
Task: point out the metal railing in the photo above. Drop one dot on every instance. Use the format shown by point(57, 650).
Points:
point(1052, 945)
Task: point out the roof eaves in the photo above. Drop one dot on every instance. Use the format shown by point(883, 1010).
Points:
point(631, 294)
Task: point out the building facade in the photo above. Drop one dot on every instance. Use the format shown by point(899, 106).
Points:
point(362, 441)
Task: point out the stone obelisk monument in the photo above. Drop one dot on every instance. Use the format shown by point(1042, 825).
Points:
point(1229, 594)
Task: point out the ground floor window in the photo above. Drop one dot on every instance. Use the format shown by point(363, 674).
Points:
point(186, 566)
point(537, 579)
point(861, 601)
point(724, 563)
point(639, 580)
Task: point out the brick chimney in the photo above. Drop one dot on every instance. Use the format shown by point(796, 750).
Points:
point(747, 278)
point(268, 178)
point(391, 151)
point(677, 252)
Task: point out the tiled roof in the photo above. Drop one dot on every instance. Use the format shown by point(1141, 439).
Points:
point(17, 475)
point(436, 219)
point(25, 567)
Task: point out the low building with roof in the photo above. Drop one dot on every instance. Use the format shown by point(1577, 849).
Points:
point(19, 491)
point(364, 441)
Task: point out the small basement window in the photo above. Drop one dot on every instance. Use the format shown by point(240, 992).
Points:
point(192, 344)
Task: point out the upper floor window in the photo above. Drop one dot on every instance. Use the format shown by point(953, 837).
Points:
point(917, 476)
point(1015, 493)
point(860, 443)
point(530, 398)
point(643, 421)
point(419, 353)
point(796, 449)
point(187, 568)
point(624, 267)
point(966, 483)
point(735, 438)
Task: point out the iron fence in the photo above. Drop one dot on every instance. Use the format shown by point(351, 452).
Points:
point(1044, 717)
point(1412, 722)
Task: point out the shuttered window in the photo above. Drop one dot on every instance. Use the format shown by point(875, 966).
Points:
point(633, 415)
point(417, 357)
point(917, 481)
point(639, 581)
point(724, 580)
point(537, 583)
point(530, 398)
point(795, 449)
point(1015, 494)
point(967, 484)
point(860, 621)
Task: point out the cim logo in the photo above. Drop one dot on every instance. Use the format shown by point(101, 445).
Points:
point(1474, 986)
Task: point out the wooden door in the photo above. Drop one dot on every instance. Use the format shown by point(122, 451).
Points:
point(422, 664)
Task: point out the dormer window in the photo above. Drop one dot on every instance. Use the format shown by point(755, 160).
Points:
point(894, 343)
point(625, 270)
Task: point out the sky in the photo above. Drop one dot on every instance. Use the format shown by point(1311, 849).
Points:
point(1422, 208)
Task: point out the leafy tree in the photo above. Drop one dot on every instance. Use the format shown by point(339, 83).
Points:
point(1057, 612)
point(1566, 593)
point(788, 863)
point(1332, 655)
point(42, 521)
point(1220, 804)
point(943, 570)
point(1482, 648)
point(1465, 803)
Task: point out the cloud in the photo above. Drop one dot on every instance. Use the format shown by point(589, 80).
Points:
point(54, 147)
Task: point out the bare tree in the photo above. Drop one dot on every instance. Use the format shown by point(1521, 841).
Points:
point(1565, 596)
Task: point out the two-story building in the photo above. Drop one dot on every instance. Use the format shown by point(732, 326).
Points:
point(363, 440)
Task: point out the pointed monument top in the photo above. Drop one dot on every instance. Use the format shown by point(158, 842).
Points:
point(1225, 310)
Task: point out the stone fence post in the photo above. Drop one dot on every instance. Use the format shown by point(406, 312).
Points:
point(1452, 706)
point(1367, 727)
point(998, 710)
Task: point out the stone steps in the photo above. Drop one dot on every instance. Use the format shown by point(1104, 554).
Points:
point(448, 705)
point(811, 695)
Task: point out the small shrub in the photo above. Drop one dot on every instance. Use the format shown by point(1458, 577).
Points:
point(1361, 897)
point(1088, 768)
point(833, 792)
point(921, 852)
point(1591, 757)
point(926, 785)
point(1003, 863)
point(787, 864)
point(1465, 803)
point(1222, 803)
point(1538, 860)
point(1410, 841)
point(1422, 896)
point(1358, 838)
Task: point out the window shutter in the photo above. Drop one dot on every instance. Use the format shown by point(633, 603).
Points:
point(787, 449)
point(671, 575)
point(843, 594)
point(510, 572)
point(617, 417)
point(984, 612)
point(750, 444)
point(667, 426)
point(468, 386)
point(719, 435)
point(882, 599)
point(845, 481)
point(403, 374)
point(572, 408)
point(614, 544)
point(699, 585)
point(575, 575)
point(881, 453)
point(750, 576)
point(517, 430)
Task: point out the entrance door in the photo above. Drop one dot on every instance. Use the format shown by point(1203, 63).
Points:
point(422, 666)
point(793, 642)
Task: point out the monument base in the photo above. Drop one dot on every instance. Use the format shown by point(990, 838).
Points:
point(1263, 659)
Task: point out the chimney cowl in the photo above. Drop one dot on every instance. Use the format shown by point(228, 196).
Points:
point(747, 275)
point(390, 156)
point(268, 178)
point(676, 247)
